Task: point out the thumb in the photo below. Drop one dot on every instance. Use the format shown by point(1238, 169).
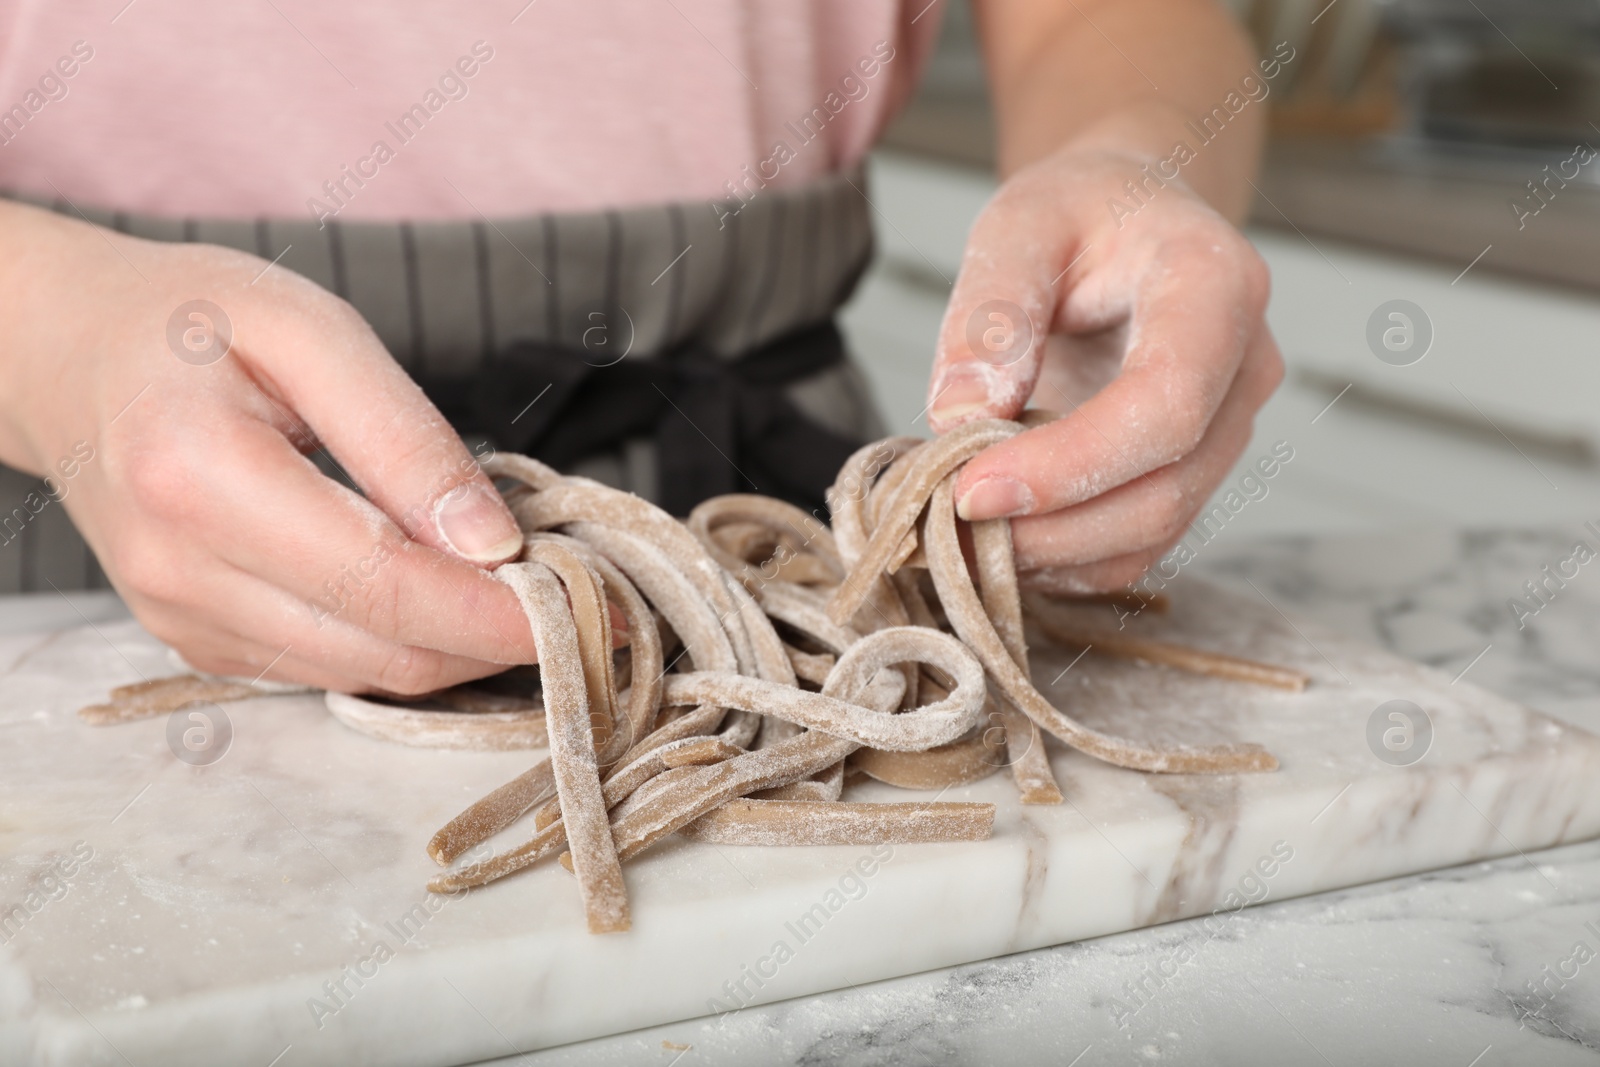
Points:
point(992, 340)
point(391, 439)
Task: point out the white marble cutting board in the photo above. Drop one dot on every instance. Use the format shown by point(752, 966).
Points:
point(217, 902)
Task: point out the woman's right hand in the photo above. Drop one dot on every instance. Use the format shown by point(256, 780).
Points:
point(221, 535)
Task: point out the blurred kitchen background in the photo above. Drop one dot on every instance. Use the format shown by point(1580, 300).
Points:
point(1402, 136)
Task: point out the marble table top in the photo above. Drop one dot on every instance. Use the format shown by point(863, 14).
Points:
point(1492, 956)
point(1474, 966)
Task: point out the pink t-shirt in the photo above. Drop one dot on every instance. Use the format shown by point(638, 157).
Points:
point(375, 110)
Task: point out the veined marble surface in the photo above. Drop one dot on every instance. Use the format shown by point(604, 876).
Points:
point(1476, 965)
point(206, 906)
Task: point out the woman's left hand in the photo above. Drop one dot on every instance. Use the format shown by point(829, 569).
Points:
point(1141, 326)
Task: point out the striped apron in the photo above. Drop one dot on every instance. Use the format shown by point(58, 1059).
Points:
point(675, 351)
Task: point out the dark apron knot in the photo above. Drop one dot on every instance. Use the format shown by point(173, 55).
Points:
point(720, 425)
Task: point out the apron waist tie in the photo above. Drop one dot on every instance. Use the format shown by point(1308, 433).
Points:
point(720, 425)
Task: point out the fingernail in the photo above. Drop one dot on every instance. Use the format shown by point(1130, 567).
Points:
point(995, 498)
point(476, 525)
point(958, 399)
